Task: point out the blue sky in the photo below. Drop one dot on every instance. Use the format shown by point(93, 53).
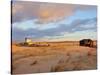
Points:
point(53, 21)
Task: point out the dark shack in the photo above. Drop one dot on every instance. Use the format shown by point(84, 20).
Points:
point(86, 42)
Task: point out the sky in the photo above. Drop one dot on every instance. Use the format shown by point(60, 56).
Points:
point(42, 21)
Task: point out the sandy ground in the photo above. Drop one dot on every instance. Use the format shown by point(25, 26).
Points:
point(53, 58)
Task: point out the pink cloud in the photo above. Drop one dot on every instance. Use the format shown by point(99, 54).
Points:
point(43, 12)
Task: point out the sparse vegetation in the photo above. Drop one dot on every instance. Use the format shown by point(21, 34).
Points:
point(58, 56)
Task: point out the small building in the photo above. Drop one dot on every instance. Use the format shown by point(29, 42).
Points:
point(28, 41)
point(86, 42)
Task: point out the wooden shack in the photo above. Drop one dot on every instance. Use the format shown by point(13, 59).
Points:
point(86, 42)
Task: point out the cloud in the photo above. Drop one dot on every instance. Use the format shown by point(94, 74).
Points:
point(84, 24)
point(43, 12)
point(63, 29)
point(23, 10)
